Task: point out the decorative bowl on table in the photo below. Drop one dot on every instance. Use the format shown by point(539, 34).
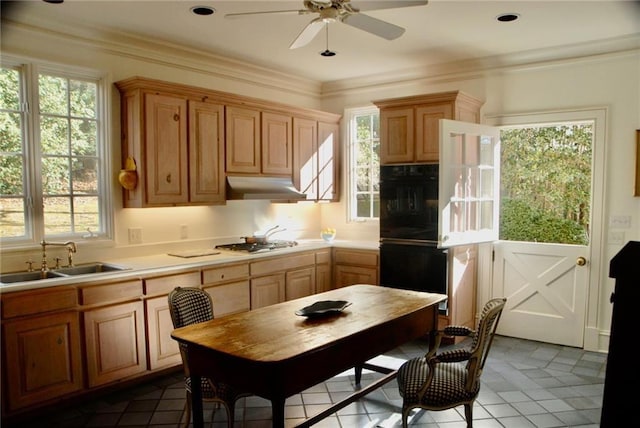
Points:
point(328, 234)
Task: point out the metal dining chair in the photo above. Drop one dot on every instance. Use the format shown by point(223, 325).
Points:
point(189, 305)
point(440, 381)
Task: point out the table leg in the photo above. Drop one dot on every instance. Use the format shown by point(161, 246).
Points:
point(196, 401)
point(277, 410)
point(358, 370)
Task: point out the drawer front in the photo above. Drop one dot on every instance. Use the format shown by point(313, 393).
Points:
point(279, 264)
point(323, 257)
point(111, 292)
point(225, 273)
point(164, 284)
point(35, 302)
point(361, 258)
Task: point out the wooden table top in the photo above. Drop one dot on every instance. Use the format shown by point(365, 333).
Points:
point(276, 334)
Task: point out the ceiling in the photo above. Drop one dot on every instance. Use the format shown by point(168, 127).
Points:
point(441, 32)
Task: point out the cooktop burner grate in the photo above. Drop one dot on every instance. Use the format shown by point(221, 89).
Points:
point(255, 247)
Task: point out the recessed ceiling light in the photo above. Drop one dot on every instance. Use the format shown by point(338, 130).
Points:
point(202, 10)
point(507, 17)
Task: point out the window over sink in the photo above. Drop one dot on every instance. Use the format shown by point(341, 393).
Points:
point(54, 156)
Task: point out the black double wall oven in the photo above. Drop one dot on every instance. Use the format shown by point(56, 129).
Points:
point(409, 256)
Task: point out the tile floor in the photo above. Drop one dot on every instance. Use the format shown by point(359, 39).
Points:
point(525, 384)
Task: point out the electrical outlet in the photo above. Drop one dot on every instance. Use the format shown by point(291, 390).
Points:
point(184, 231)
point(135, 235)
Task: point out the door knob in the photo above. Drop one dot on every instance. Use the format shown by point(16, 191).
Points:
point(581, 261)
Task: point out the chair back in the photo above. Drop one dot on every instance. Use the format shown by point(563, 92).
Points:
point(189, 305)
point(487, 325)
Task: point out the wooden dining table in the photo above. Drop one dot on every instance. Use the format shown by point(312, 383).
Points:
point(273, 353)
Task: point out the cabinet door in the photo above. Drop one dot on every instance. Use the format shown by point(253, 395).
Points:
point(300, 283)
point(166, 149)
point(243, 140)
point(328, 161)
point(463, 264)
point(397, 133)
point(428, 131)
point(323, 278)
point(349, 275)
point(305, 157)
point(277, 149)
point(43, 359)
point(267, 290)
point(206, 153)
point(230, 298)
point(163, 350)
point(114, 341)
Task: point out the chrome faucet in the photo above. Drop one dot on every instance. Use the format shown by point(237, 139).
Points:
point(71, 248)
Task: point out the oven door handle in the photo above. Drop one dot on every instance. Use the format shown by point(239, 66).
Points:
point(416, 242)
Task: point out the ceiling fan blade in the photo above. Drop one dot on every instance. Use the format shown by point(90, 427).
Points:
point(308, 33)
point(374, 26)
point(365, 5)
point(269, 12)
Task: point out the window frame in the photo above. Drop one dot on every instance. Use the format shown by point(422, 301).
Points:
point(352, 205)
point(34, 216)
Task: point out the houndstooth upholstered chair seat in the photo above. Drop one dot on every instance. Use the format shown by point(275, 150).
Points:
point(188, 306)
point(451, 378)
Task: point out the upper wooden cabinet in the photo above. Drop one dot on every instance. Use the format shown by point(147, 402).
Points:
point(258, 142)
point(409, 131)
point(315, 158)
point(185, 139)
point(177, 142)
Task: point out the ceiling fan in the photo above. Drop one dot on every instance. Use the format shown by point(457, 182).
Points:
point(345, 12)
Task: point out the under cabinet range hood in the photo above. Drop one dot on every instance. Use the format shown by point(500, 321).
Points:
point(266, 188)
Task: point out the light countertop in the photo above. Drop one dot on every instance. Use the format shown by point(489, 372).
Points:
point(158, 264)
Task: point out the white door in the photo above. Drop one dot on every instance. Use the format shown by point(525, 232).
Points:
point(545, 286)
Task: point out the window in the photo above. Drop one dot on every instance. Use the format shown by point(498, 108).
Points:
point(52, 154)
point(364, 164)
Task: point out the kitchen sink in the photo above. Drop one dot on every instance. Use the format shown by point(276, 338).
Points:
point(89, 268)
point(84, 269)
point(8, 278)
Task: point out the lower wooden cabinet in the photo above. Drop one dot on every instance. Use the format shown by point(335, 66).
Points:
point(115, 342)
point(62, 341)
point(162, 350)
point(267, 290)
point(355, 267)
point(43, 359)
point(229, 288)
point(300, 283)
point(324, 277)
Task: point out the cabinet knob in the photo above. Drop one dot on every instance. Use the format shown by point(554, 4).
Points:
point(168, 178)
point(176, 117)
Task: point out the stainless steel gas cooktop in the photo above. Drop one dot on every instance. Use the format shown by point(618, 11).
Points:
point(255, 247)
